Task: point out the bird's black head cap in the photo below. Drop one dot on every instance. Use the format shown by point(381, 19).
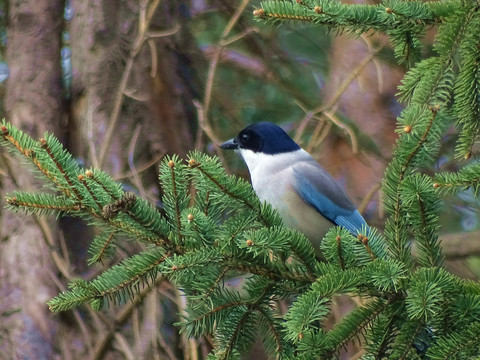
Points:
point(266, 138)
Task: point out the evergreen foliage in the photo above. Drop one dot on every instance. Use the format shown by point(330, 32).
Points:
point(212, 227)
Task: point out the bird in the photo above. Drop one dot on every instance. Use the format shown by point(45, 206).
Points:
point(287, 177)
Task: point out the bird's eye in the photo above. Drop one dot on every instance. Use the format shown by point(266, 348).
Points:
point(249, 140)
point(244, 137)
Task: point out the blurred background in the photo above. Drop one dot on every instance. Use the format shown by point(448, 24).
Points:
point(122, 84)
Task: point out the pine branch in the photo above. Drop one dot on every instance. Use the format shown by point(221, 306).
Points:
point(41, 203)
point(65, 169)
point(451, 183)
point(398, 170)
point(423, 209)
point(403, 347)
point(386, 276)
point(312, 306)
point(102, 247)
point(27, 147)
point(342, 17)
point(340, 248)
point(354, 323)
point(273, 343)
point(460, 344)
point(117, 284)
point(212, 228)
point(428, 292)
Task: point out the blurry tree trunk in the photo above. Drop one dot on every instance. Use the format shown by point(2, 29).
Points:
point(368, 101)
point(155, 114)
point(34, 104)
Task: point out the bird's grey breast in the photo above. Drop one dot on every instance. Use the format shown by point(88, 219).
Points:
point(275, 180)
point(272, 175)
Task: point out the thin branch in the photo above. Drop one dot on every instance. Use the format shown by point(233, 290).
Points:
point(131, 163)
point(140, 169)
point(91, 108)
point(353, 138)
point(375, 61)
point(153, 54)
point(204, 127)
point(128, 353)
point(331, 104)
point(319, 134)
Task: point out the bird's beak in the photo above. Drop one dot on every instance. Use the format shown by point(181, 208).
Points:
point(229, 145)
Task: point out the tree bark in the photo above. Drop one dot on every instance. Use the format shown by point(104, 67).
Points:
point(33, 103)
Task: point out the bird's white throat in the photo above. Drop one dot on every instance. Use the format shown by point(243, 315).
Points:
point(265, 163)
point(271, 174)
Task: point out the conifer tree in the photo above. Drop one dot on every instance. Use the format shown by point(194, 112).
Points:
point(212, 226)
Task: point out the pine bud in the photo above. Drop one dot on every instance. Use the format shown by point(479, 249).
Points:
point(436, 185)
point(89, 174)
point(249, 242)
point(318, 9)
point(43, 143)
point(80, 177)
point(171, 164)
point(192, 162)
point(407, 129)
point(190, 217)
point(389, 10)
point(4, 131)
point(258, 12)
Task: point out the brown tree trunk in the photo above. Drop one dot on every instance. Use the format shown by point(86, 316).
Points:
point(33, 103)
point(155, 117)
point(154, 98)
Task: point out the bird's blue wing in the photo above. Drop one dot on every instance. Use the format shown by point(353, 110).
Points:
point(321, 191)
